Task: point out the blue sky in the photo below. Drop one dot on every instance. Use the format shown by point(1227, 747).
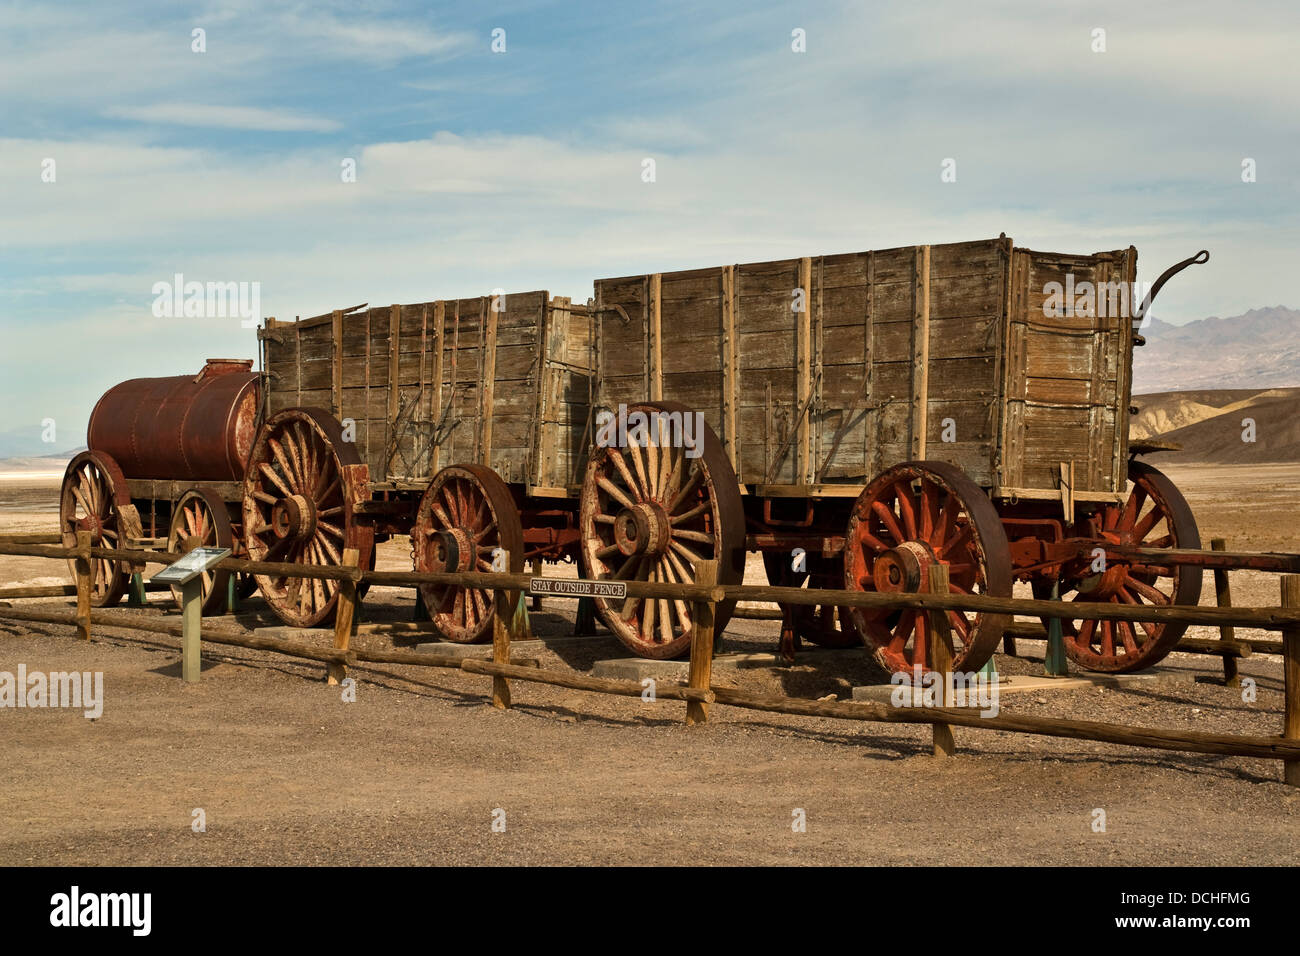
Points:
point(522, 169)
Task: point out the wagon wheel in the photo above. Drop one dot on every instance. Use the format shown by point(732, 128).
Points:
point(300, 495)
point(203, 515)
point(1155, 515)
point(94, 498)
point(465, 514)
point(650, 512)
point(907, 519)
point(827, 626)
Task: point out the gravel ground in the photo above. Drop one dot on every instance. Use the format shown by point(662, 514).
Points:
point(413, 771)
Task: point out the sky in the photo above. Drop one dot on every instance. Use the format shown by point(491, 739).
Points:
point(522, 168)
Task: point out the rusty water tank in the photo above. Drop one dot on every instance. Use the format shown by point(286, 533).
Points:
point(184, 427)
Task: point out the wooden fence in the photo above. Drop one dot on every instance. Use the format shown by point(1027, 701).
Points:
point(699, 692)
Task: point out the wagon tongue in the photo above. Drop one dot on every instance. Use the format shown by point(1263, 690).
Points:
point(1199, 259)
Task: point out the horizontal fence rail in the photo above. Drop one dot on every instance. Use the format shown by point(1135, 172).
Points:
point(699, 692)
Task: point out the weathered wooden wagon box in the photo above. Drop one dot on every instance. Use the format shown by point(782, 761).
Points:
point(818, 373)
point(502, 382)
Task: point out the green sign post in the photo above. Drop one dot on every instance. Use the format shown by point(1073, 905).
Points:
point(187, 574)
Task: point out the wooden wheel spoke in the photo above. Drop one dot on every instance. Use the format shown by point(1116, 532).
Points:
point(1142, 589)
point(692, 481)
point(1148, 523)
point(699, 536)
point(652, 457)
point(641, 488)
point(685, 516)
point(275, 479)
point(906, 508)
point(444, 519)
point(648, 621)
point(887, 518)
point(920, 649)
point(630, 569)
point(668, 569)
point(1127, 637)
point(685, 552)
point(612, 490)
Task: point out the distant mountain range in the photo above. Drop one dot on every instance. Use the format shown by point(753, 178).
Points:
point(1257, 350)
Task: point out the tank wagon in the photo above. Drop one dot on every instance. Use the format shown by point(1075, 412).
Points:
point(853, 418)
point(165, 462)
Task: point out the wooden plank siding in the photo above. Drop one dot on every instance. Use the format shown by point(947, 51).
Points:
point(939, 352)
point(498, 381)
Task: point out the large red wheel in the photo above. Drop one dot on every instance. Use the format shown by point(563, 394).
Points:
point(909, 518)
point(465, 514)
point(1155, 515)
point(827, 626)
point(300, 496)
point(94, 498)
point(203, 515)
point(650, 512)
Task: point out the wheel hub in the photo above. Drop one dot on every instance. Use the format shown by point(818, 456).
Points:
point(94, 525)
point(1104, 585)
point(904, 568)
point(293, 518)
point(643, 529)
point(450, 551)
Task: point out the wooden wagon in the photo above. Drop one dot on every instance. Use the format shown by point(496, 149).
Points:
point(985, 413)
point(459, 422)
point(855, 418)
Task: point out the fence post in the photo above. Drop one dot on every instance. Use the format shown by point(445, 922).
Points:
point(1291, 677)
point(503, 609)
point(702, 615)
point(537, 573)
point(344, 613)
point(584, 624)
point(939, 657)
point(1223, 595)
point(85, 584)
point(191, 630)
point(1054, 660)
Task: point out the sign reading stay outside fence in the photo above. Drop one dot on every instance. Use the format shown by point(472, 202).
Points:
point(580, 588)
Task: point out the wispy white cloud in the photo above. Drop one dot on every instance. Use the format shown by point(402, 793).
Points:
point(224, 117)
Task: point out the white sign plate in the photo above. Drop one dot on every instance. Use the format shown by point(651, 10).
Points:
point(566, 587)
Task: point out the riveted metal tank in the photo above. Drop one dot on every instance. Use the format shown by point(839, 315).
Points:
point(184, 427)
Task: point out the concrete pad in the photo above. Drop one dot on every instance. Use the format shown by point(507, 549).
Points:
point(307, 634)
point(459, 652)
point(1023, 684)
point(637, 668)
point(517, 648)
